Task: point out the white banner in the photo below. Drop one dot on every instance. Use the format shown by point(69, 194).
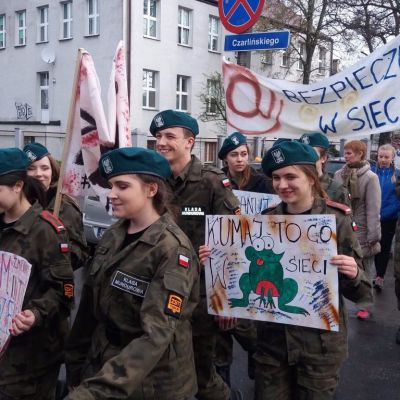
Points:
point(360, 100)
point(273, 268)
point(14, 277)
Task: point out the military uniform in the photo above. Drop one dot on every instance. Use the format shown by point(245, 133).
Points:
point(132, 337)
point(308, 359)
point(71, 216)
point(335, 190)
point(30, 365)
point(201, 190)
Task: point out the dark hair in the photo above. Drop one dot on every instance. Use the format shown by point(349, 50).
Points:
point(322, 153)
point(312, 174)
point(162, 201)
point(187, 133)
point(33, 189)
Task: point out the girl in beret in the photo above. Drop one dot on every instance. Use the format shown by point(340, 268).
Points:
point(235, 154)
point(30, 363)
point(295, 362)
point(45, 169)
point(132, 336)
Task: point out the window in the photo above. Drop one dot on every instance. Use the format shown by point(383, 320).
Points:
point(213, 33)
point(151, 144)
point(150, 8)
point(20, 23)
point(93, 17)
point(2, 31)
point(66, 21)
point(285, 59)
point(210, 149)
point(44, 95)
point(182, 93)
point(302, 56)
point(266, 57)
point(184, 21)
point(211, 99)
point(322, 60)
point(244, 58)
point(43, 24)
point(149, 89)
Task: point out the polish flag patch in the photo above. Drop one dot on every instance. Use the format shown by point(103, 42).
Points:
point(226, 182)
point(64, 247)
point(354, 226)
point(183, 261)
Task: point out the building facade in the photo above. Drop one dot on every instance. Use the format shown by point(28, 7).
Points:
point(171, 46)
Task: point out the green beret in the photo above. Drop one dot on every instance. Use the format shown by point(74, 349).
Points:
point(233, 141)
point(315, 139)
point(35, 151)
point(288, 153)
point(13, 160)
point(134, 160)
point(280, 140)
point(170, 118)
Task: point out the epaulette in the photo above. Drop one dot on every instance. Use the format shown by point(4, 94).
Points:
point(70, 200)
point(268, 210)
point(53, 221)
point(346, 209)
point(211, 168)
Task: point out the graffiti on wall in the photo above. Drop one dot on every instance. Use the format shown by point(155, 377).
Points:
point(24, 111)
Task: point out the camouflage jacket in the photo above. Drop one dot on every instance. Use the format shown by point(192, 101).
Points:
point(71, 216)
point(132, 336)
point(49, 295)
point(201, 190)
point(279, 342)
point(335, 191)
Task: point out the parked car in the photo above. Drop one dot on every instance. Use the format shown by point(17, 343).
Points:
point(334, 164)
point(95, 219)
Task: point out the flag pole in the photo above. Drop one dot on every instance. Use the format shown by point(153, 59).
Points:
point(68, 131)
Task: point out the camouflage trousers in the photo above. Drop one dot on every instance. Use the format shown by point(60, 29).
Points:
point(210, 384)
point(39, 388)
point(244, 332)
point(299, 381)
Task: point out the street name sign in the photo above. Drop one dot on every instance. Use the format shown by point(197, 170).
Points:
point(258, 41)
point(239, 15)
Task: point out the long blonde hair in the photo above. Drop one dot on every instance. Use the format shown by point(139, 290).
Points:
point(389, 147)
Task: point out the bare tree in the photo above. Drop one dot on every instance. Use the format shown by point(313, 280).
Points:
point(212, 99)
point(307, 20)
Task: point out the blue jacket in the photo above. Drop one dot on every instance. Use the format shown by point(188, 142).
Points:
point(390, 204)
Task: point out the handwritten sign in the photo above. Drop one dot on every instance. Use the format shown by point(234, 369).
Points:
point(273, 268)
point(361, 100)
point(252, 203)
point(14, 277)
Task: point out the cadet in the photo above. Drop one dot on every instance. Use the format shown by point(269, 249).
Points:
point(295, 362)
point(132, 336)
point(45, 169)
point(199, 190)
point(333, 189)
point(235, 154)
point(30, 365)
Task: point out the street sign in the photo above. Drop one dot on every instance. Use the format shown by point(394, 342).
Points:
point(239, 15)
point(257, 41)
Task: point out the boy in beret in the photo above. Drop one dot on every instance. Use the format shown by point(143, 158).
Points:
point(333, 189)
point(199, 190)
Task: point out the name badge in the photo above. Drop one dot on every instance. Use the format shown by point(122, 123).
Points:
point(196, 211)
point(130, 284)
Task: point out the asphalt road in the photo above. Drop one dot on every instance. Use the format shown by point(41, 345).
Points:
point(372, 371)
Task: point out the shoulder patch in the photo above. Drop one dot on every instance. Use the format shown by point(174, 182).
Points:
point(53, 221)
point(345, 209)
point(174, 304)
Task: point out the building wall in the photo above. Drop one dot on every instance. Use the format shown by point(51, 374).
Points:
point(20, 65)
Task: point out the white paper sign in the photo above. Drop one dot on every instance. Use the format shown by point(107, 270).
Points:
point(252, 203)
point(273, 268)
point(14, 277)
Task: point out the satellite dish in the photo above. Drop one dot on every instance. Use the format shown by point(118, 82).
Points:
point(48, 56)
